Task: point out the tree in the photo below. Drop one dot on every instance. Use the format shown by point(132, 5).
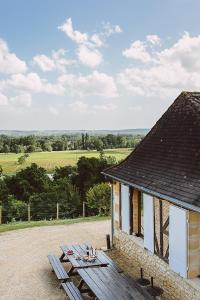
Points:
point(6, 148)
point(64, 172)
point(1, 171)
point(4, 192)
point(22, 159)
point(43, 205)
point(14, 210)
point(89, 173)
point(98, 197)
point(26, 182)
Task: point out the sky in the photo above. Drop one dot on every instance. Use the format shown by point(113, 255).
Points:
point(73, 64)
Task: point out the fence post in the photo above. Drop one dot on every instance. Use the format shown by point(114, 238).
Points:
point(83, 208)
point(0, 214)
point(57, 211)
point(29, 213)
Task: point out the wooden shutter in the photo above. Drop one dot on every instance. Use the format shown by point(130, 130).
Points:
point(178, 240)
point(148, 222)
point(125, 208)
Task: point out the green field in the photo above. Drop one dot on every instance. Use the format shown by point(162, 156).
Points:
point(49, 160)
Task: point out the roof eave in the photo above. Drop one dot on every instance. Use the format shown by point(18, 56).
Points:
point(156, 194)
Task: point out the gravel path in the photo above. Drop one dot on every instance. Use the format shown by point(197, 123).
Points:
point(25, 273)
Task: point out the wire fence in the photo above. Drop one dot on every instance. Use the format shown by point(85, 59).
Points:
point(32, 213)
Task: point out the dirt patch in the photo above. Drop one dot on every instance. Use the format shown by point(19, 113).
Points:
point(25, 273)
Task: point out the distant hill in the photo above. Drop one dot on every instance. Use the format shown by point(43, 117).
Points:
point(142, 131)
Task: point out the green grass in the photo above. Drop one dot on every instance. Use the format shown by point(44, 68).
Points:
point(49, 160)
point(22, 225)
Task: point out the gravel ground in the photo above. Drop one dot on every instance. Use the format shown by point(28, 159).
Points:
point(25, 273)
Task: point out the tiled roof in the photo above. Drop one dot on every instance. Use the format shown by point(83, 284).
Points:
point(167, 161)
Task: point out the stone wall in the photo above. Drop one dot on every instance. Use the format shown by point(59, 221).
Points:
point(175, 287)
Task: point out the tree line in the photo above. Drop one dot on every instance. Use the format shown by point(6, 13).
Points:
point(33, 143)
point(70, 186)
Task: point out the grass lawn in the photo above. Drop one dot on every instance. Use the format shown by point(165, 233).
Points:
point(49, 160)
point(22, 225)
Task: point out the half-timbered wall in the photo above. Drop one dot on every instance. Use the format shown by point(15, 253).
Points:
point(116, 203)
point(194, 244)
point(161, 206)
point(161, 215)
point(136, 217)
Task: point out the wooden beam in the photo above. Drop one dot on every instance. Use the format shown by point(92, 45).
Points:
point(139, 212)
point(161, 227)
point(120, 207)
point(131, 209)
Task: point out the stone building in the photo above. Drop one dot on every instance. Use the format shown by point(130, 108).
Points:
point(156, 200)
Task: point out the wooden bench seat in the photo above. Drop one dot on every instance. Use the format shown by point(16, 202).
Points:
point(110, 262)
point(58, 268)
point(72, 291)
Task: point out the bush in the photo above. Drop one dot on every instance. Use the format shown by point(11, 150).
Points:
point(98, 197)
point(15, 210)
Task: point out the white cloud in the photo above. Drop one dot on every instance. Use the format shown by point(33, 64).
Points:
point(105, 107)
point(95, 84)
point(3, 100)
point(153, 39)
point(137, 51)
point(110, 29)
point(89, 57)
point(98, 42)
point(23, 100)
point(33, 83)
point(84, 108)
point(184, 52)
point(118, 29)
point(136, 108)
point(87, 51)
point(53, 110)
point(57, 61)
point(44, 62)
point(172, 70)
point(74, 35)
point(79, 107)
point(9, 62)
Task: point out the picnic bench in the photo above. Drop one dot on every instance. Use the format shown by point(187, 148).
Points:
point(80, 250)
point(72, 291)
point(101, 278)
point(58, 268)
point(107, 284)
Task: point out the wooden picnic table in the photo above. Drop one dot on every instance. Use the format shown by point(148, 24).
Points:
point(80, 250)
point(107, 284)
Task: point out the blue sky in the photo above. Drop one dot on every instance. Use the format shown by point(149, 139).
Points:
point(95, 64)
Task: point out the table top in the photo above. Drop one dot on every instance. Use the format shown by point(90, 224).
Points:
point(107, 284)
point(81, 251)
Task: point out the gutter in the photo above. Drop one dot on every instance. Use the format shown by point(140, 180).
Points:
point(156, 194)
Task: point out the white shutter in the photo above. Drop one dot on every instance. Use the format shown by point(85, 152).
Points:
point(125, 208)
point(178, 240)
point(148, 222)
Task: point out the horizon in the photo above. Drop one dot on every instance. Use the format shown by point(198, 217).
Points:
point(112, 66)
point(108, 129)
